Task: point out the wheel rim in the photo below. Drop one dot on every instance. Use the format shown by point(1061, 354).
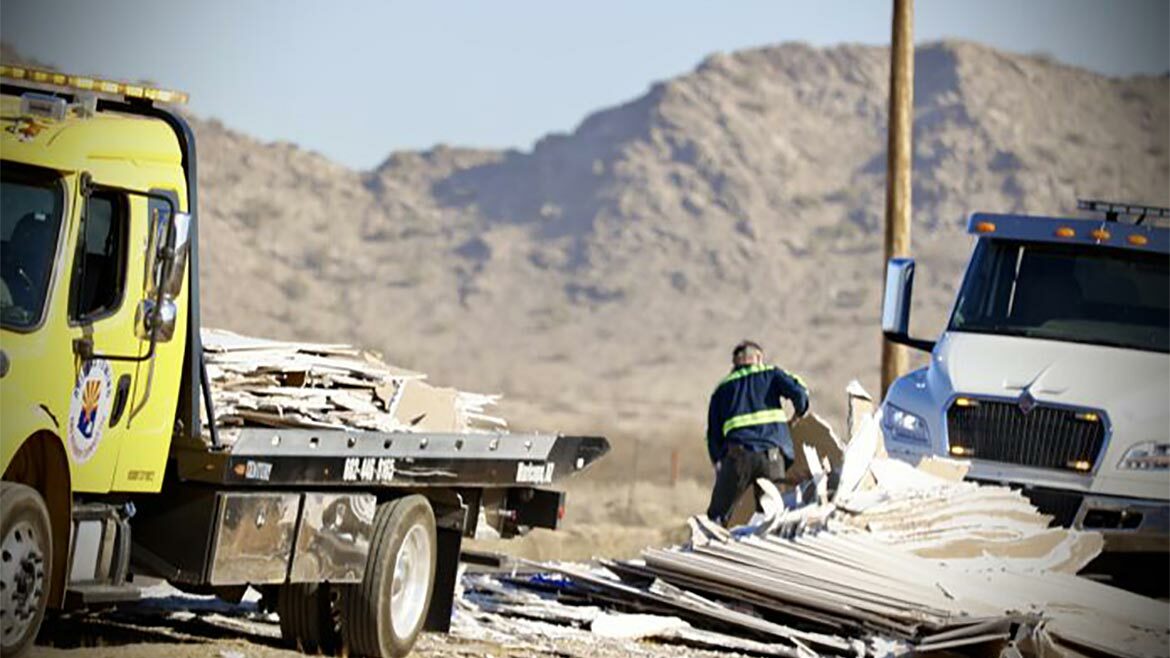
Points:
point(22, 580)
point(408, 590)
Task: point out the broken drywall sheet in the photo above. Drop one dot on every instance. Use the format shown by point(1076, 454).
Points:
point(948, 469)
point(815, 432)
point(859, 453)
point(635, 626)
point(861, 406)
point(426, 408)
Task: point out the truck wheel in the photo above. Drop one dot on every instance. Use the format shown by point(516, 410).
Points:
point(26, 556)
point(382, 616)
point(306, 618)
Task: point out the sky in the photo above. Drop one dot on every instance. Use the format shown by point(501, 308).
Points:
point(357, 80)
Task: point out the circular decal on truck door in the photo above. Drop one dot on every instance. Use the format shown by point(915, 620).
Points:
point(89, 409)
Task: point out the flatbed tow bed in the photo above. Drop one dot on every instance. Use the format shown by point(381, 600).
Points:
point(306, 457)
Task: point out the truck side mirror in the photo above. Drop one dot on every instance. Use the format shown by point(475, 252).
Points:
point(149, 315)
point(169, 267)
point(175, 255)
point(896, 304)
point(166, 254)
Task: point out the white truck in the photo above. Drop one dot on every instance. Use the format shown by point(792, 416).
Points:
point(1053, 374)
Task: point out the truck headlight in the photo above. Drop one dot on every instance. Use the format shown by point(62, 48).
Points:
point(901, 425)
point(1146, 456)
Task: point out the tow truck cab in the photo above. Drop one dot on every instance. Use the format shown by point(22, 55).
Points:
point(97, 278)
point(1053, 373)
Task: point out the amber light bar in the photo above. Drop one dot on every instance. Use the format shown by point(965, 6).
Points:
point(65, 81)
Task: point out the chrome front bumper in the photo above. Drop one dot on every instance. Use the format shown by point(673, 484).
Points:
point(1131, 525)
point(1128, 524)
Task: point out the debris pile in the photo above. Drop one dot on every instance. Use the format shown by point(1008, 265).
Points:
point(895, 559)
point(269, 383)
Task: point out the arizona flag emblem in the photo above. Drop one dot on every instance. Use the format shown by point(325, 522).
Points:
point(88, 410)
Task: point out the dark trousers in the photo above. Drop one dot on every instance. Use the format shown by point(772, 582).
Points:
point(739, 470)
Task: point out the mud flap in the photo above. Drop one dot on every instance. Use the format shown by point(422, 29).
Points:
point(450, 542)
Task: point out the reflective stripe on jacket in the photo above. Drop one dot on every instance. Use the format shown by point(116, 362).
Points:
point(746, 409)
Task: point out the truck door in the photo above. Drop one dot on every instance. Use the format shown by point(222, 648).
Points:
point(101, 320)
point(150, 414)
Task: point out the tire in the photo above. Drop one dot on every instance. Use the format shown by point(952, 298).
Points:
point(383, 615)
point(306, 615)
point(26, 558)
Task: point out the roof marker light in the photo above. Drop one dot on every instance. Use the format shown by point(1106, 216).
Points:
point(1065, 232)
point(1138, 240)
point(43, 105)
point(985, 227)
point(86, 83)
point(1100, 234)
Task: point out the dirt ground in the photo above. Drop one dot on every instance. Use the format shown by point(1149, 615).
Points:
point(197, 627)
point(430, 645)
point(212, 649)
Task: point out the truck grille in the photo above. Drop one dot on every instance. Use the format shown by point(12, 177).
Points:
point(1045, 437)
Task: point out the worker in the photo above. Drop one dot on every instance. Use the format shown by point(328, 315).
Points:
point(747, 430)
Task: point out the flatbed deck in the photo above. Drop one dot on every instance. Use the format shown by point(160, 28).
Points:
point(265, 457)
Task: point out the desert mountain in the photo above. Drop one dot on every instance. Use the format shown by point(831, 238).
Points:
point(600, 279)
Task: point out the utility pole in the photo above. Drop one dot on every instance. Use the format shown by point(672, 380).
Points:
point(898, 160)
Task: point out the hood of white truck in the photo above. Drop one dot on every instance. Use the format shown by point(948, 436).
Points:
point(1131, 386)
point(1057, 371)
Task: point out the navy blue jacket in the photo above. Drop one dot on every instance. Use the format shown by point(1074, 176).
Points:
point(745, 409)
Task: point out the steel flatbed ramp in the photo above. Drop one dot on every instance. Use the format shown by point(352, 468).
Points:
point(264, 457)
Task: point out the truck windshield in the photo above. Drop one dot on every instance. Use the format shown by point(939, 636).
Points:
point(30, 217)
point(1085, 294)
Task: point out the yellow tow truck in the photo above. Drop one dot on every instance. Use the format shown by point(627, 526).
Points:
point(111, 461)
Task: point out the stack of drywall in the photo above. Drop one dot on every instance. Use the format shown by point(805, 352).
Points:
point(990, 545)
point(272, 383)
point(898, 559)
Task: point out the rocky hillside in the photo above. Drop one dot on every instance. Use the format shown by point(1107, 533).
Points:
point(600, 279)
